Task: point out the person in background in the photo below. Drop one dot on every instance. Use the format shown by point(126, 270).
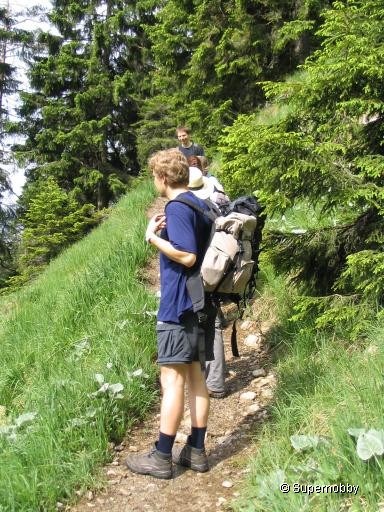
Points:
point(187, 146)
point(183, 343)
point(215, 370)
point(220, 197)
point(204, 165)
point(195, 161)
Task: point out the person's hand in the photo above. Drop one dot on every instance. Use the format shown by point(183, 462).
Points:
point(157, 222)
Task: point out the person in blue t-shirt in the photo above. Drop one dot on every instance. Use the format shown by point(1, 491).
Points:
point(181, 236)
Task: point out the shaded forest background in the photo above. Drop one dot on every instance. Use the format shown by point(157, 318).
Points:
point(286, 97)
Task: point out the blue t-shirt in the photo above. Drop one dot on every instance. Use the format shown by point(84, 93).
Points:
point(189, 231)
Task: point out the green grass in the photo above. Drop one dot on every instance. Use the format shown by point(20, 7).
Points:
point(87, 314)
point(303, 217)
point(326, 385)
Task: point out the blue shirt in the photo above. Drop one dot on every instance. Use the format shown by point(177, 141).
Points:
point(189, 231)
point(193, 150)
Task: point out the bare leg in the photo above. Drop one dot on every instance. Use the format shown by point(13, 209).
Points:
point(172, 379)
point(198, 395)
point(158, 461)
point(193, 454)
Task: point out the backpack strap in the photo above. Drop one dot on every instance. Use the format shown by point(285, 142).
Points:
point(194, 283)
point(211, 214)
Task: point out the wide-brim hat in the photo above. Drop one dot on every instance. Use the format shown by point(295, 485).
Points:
point(201, 186)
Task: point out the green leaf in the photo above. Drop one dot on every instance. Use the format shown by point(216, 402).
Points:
point(114, 389)
point(355, 432)
point(25, 418)
point(99, 378)
point(370, 444)
point(303, 442)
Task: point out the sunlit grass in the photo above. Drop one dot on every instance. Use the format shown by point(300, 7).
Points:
point(326, 385)
point(87, 314)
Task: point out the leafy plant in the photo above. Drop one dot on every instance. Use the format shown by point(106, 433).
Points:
point(111, 390)
point(369, 443)
point(319, 142)
point(305, 442)
point(10, 430)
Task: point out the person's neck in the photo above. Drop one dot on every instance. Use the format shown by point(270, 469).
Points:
point(172, 193)
point(187, 145)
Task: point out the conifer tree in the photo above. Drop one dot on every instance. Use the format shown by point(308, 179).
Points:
point(79, 118)
point(53, 221)
point(322, 143)
point(14, 42)
point(210, 55)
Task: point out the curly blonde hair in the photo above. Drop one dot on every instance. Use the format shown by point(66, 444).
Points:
point(171, 164)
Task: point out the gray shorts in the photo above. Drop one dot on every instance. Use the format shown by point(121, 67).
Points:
point(186, 342)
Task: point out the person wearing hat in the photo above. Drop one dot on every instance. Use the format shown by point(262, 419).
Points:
point(205, 187)
point(215, 370)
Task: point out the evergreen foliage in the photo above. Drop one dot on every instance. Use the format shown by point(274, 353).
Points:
point(8, 241)
point(322, 143)
point(86, 80)
point(14, 42)
point(53, 221)
point(112, 82)
point(77, 121)
point(209, 57)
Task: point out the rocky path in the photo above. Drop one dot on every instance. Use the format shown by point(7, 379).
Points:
point(231, 431)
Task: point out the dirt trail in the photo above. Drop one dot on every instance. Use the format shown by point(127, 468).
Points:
point(231, 428)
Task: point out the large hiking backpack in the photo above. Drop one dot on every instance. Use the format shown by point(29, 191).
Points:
point(250, 206)
point(231, 259)
point(230, 263)
point(227, 266)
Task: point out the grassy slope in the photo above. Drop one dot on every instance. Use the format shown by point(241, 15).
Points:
point(86, 314)
point(327, 385)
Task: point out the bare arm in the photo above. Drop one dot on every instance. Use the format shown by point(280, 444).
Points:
point(157, 222)
point(185, 258)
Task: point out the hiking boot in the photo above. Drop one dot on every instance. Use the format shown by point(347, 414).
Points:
point(217, 394)
point(192, 458)
point(153, 463)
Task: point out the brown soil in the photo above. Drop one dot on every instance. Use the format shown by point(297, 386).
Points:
point(231, 429)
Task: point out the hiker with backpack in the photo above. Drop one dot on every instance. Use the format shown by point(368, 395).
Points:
point(230, 264)
point(185, 323)
point(187, 146)
point(215, 370)
point(218, 195)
